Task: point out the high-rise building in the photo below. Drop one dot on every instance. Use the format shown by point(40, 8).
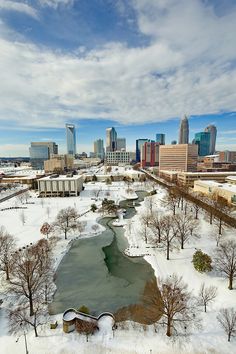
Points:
point(40, 152)
point(202, 140)
point(99, 149)
point(160, 138)
point(150, 154)
point(139, 144)
point(184, 131)
point(213, 132)
point(70, 139)
point(121, 144)
point(180, 157)
point(111, 139)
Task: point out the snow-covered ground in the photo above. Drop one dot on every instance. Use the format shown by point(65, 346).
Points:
point(133, 338)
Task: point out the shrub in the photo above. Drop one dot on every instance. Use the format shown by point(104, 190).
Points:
point(202, 262)
point(93, 207)
point(84, 309)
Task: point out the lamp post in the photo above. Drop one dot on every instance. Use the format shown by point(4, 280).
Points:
point(26, 347)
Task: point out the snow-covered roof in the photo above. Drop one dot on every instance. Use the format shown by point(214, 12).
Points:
point(60, 178)
point(225, 186)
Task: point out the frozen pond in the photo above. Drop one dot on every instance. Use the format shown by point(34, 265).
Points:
point(95, 272)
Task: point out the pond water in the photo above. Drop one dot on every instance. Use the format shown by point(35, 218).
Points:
point(97, 274)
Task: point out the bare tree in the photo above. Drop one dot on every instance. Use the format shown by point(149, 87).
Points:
point(145, 218)
point(22, 217)
point(26, 196)
point(171, 201)
point(196, 209)
point(185, 226)
point(81, 226)
point(225, 260)
point(177, 306)
point(169, 235)
point(32, 269)
point(66, 220)
point(46, 229)
point(95, 227)
point(97, 191)
point(7, 247)
point(19, 318)
point(206, 295)
point(144, 232)
point(227, 319)
point(156, 226)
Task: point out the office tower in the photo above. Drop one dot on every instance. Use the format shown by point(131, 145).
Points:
point(150, 154)
point(139, 144)
point(184, 131)
point(111, 139)
point(40, 152)
point(70, 139)
point(213, 132)
point(160, 138)
point(99, 149)
point(202, 140)
point(118, 158)
point(174, 142)
point(180, 157)
point(121, 144)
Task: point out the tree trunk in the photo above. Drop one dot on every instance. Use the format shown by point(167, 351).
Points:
point(168, 331)
point(7, 273)
point(182, 204)
point(231, 282)
point(220, 227)
point(168, 251)
point(159, 236)
point(65, 234)
point(182, 243)
point(31, 305)
point(205, 307)
point(211, 217)
point(174, 210)
point(229, 336)
point(35, 331)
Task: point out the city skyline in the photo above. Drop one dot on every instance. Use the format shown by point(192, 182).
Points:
point(109, 64)
point(85, 136)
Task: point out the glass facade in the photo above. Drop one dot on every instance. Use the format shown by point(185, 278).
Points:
point(139, 144)
point(160, 138)
point(71, 139)
point(38, 154)
point(203, 139)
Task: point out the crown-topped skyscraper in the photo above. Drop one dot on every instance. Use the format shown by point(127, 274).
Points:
point(184, 131)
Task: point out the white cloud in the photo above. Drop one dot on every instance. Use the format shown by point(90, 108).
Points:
point(188, 67)
point(55, 3)
point(18, 6)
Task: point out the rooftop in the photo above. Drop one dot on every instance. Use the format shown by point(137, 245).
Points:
point(60, 178)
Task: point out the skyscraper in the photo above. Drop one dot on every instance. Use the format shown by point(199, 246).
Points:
point(121, 144)
point(160, 138)
point(99, 149)
point(213, 132)
point(184, 131)
point(139, 144)
point(70, 139)
point(202, 139)
point(111, 139)
point(40, 152)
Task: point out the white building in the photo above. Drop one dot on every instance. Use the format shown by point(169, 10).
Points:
point(224, 190)
point(60, 186)
point(118, 158)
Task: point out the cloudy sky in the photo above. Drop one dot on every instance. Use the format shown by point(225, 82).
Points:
point(138, 65)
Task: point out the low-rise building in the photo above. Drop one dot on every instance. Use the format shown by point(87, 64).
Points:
point(188, 178)
point(117, 158)
point(60, 186)
point(58, 163)
point(223, 190)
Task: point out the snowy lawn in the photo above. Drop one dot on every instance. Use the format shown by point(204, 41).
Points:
point(134, 338)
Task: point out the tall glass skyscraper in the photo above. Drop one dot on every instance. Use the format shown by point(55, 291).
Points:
point(111, 139)
point(139, 144)
point(70, 139)
point(213, 132)
point(99, 149)
point(160, 138)
point(184, 131)
point(202, 139)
